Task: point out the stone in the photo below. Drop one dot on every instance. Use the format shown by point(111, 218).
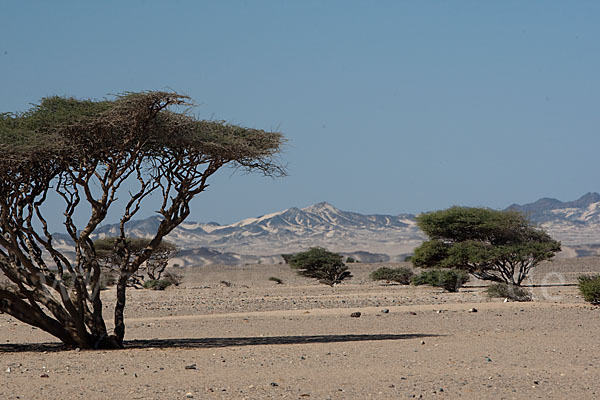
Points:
point(472, 310)
point(189, 395)
point(356, 314)
point(191, 366)
point(385, 311)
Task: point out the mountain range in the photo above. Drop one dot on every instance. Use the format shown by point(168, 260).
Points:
point(367, 238)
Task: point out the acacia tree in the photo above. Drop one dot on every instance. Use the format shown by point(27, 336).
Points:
point(111, 250)
point(89, 152)
point(492, 245)
point(321, 264)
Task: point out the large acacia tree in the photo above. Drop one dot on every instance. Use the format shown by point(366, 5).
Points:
point(89, 153)
point(492, 245)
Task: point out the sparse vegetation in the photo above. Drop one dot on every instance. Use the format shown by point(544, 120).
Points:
point(107, 279)
point(512, 292)
point(276, 280)
point(401, 275)
point(321, 264)
point(157, 284)
point(501, 246)
point(173, 277)
point(589, 286)
point(350, 260)
point(449, 280)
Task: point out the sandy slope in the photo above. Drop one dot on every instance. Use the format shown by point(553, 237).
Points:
point(255, 339)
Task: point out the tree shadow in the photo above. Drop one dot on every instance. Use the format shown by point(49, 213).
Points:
point(202, 343)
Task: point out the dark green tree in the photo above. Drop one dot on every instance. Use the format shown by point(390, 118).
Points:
point(321, 264)
point(501, 246)
point(90, 153)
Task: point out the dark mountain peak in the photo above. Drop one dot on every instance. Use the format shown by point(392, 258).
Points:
point(548, 203)
point(585, 200)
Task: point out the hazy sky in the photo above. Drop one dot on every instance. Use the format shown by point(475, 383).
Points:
point(388, 106)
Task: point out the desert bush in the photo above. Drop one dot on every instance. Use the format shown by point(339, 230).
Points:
point(589, 286)
point(276, 280)
point(173, 277)
point(401, 275)
point(321, 264)
point(157, 284)
point(512, 292)
point(350, 260)
point(450, 280)
point(107, 279)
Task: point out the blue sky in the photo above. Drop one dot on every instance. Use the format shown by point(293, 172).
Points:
point(388, 106)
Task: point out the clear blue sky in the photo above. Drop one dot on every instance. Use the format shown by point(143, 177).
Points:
point(388, 106)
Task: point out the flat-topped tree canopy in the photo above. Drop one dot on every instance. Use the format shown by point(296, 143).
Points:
point(68, 130)
point(490, 244)
point(91, 152)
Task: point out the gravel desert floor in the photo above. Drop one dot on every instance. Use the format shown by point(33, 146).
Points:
point(231, 333)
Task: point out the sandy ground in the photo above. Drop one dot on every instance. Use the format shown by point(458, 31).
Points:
point(251, 338)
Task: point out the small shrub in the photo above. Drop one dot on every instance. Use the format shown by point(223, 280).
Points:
point(276, 280)
point(401, 275)
point(512, 292)
point(449, 280)
point(107, 279)
point(350, 260)
point(173, 277)
point(157, 284)
point(589, 286)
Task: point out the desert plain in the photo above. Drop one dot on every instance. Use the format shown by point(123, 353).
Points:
point(228, 332)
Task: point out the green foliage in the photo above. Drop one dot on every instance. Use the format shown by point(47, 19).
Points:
point(276, 280)
point(320, 264)
point(494, 245)
point(157, 284)
point(430, 253)
point(449, 280)
point(401, 275)
point(507, 291)
point(589, 286)
point(350, 260)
